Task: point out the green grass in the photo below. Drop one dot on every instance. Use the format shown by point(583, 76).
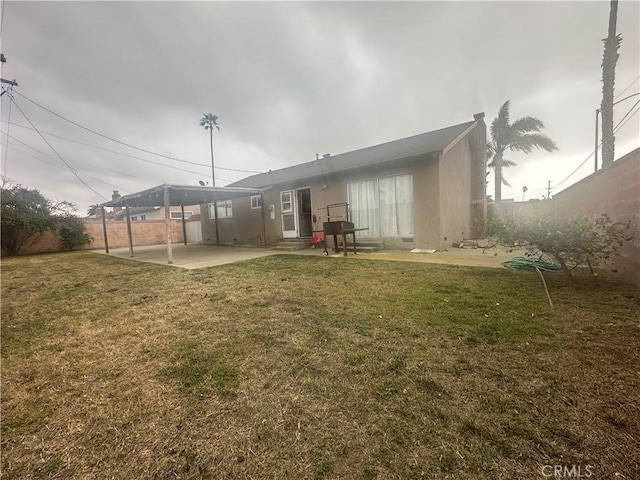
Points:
point(309, 367)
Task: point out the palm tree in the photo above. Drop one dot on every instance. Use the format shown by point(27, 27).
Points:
point(523, 135)
point(609, 60)
point(208, 121)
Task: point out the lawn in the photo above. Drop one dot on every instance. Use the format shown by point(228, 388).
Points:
point(292, 367)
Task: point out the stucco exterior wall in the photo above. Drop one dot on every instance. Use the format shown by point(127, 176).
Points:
point(455, 194)
point(615, 191)
point(245, 227)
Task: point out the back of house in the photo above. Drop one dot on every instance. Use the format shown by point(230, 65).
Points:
point(425, 191)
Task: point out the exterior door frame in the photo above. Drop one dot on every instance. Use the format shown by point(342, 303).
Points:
point(291, 210)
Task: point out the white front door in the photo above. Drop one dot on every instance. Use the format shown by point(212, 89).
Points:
point(289, 214)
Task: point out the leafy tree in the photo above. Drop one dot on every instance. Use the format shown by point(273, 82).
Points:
point(571, 241)
point(523, 135)
point(71, 232)
point(26, 214)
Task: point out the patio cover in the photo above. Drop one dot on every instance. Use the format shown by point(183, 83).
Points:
point(167, 195)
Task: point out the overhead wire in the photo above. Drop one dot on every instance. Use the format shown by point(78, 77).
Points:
point(128, 144)
point(153, 162)
point(620, 124)
point(57, 165)
point(71, 169)
point(627, 88)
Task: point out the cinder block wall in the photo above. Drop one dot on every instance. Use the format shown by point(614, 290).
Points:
point(148, 232)
point(615, 191)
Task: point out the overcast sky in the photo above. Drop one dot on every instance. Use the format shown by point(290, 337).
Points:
point(289, 80)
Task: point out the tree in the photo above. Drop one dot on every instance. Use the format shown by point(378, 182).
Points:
point(523, 135)
point(26, 214)
point(208, 121)
point(609, 60)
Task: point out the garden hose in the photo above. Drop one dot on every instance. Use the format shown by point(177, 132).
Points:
point(524, 263)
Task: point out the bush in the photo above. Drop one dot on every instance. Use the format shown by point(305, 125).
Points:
point(71, 232)
point(571, 241)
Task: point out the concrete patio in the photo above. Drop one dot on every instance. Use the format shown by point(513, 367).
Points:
point(194, 256)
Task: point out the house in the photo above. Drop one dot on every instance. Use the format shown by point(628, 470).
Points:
point(426, 191)
point(157, 213)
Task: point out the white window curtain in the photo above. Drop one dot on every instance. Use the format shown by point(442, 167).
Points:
point(396, 205)
point(364, 206)
point(384, 206)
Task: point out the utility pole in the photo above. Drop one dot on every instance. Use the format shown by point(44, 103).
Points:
point(549, 190)
point(13, 83)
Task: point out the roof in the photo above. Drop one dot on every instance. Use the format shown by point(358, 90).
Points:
point(180, 195)
point(405, 148)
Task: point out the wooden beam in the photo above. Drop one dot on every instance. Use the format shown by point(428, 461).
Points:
point(167, 221)
point(184, 225)
point(264, 224)
point(104, 230)
point(126, 209)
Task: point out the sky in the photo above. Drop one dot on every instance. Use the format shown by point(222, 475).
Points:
point(289, 80)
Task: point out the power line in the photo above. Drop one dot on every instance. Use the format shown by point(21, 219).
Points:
point(620, 123)
point(617, 127)
point(99, 168)
point(113, 151)
point(127, 144)
point(57, 165)
point(57, 154)
point(627, 88)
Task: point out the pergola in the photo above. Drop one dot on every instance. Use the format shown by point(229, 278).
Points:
point(175, 196)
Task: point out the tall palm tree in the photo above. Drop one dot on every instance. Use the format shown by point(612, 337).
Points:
point(609, 60)
point(523, 135)
point(208, 121)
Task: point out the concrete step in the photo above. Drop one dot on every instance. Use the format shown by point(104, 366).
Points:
point(293, 244)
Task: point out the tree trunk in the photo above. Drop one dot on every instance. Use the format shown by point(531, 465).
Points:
point(213, 171)
point(498, 181)
point(609, 60)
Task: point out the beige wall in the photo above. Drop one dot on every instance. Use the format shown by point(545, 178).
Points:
point(455, 197)
point(150, 232)
point(614, 191)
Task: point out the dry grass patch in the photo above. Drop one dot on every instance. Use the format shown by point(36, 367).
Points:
point(304, 367)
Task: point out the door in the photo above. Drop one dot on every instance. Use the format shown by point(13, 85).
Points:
point(305, 222)
point(288, 212)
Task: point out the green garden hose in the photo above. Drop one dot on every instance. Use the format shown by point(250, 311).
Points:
point(524, 263)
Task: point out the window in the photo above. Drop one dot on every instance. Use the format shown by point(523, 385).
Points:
point(225, 210)
point(383, 205)
point(256, 201)
point(143, 217)
point(285, 201)
point(178, 215)
point(134, 218)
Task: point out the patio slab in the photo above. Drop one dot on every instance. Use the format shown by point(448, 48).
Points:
point(201, 256)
